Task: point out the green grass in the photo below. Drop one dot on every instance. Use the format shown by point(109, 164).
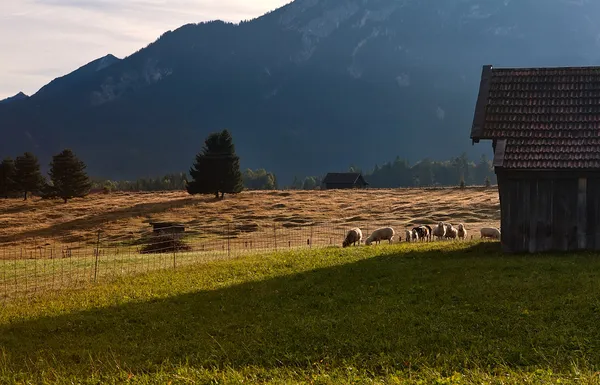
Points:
point(412, 313)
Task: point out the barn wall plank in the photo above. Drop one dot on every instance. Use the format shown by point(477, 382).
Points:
point(533, 208)
point(582, 213)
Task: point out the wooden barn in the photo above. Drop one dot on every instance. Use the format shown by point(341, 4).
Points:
point(342, 180)
point(544, 125)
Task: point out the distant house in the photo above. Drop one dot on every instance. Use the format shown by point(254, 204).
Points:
point(544, 125)
point(341, 180)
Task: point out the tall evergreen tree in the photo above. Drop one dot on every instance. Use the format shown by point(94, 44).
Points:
point(68, 176)
point(27, 174)
point(217, 167)
point(8, 186)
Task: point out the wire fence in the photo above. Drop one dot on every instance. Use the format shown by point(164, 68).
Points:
point(51, 265)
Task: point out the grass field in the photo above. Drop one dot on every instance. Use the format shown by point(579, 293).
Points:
point(125, 216)
point(445, 313)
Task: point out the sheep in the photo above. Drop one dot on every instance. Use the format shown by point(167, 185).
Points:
point(439, 231)
point(451, 232)
point(462, 232)
point(490, 232)
point(380, 234)
point(422, 231)
point(430, 230)
point(354, 235)
point(415, 235)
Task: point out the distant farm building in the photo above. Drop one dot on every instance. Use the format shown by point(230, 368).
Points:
point(343, 180)
point(544, 124)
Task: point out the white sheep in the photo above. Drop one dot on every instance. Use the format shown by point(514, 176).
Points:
point(490, 232)
point(354, 235)
point(451, 232)
point(439, 231)
point(380, 234)
point(462, 232)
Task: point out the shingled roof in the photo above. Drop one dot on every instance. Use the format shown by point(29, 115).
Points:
point(541, 118)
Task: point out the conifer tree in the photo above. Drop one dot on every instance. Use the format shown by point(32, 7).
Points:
point(28, 178)
point(8, 186)
point(68, 176)
point(217, 167)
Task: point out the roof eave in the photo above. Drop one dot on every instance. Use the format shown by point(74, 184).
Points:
point(480, 106)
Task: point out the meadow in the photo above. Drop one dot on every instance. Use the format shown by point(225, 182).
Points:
point(433, 313)
point(127, 216)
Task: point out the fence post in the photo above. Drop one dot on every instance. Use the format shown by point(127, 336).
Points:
point(275, 235)
point(174, 252)
point(228, 239)
point(97, 255)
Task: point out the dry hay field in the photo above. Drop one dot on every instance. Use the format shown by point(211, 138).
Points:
point(248, 215)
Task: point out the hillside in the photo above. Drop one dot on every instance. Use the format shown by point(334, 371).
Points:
point(312, 87)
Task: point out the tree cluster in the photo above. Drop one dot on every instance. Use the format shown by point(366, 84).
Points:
point(459, 171)
point(259, 180)
point(22, 176)
point(308, 183)
point(169, 182)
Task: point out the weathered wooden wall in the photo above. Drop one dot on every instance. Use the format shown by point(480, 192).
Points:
point(549, 211)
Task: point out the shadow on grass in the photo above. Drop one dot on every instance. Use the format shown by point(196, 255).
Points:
point(448, 310)
point(96, 221)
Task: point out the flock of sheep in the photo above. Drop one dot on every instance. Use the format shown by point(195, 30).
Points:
point(422, 233)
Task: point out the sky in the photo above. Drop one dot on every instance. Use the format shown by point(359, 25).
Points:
point(41, 40)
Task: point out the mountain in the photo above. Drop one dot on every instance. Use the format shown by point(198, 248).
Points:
point(311, 87)
point(70, 83)
point(19, 96)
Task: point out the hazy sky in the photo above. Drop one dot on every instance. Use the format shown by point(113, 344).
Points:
point(43, 39)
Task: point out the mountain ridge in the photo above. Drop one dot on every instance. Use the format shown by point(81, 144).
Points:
point(19, 96)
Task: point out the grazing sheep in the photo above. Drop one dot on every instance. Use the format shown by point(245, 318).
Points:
point(439, 231)
point(408, 235)
point(380, 234)
point(430, 232)
point(490, 232)
point(354, 235)
point(462, 232)
point(415, 235)
point(421, 231)
point(451, 232)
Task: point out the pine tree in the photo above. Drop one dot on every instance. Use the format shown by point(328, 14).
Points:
point(68, 176)
point(217, 167)
point(7, 178)
point(28, 178)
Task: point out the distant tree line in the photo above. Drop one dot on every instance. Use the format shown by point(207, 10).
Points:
point(168, 182)
point(259, 180)
point(22, 177)
point(459, 171)
point(216, 170)
point(454, 172)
